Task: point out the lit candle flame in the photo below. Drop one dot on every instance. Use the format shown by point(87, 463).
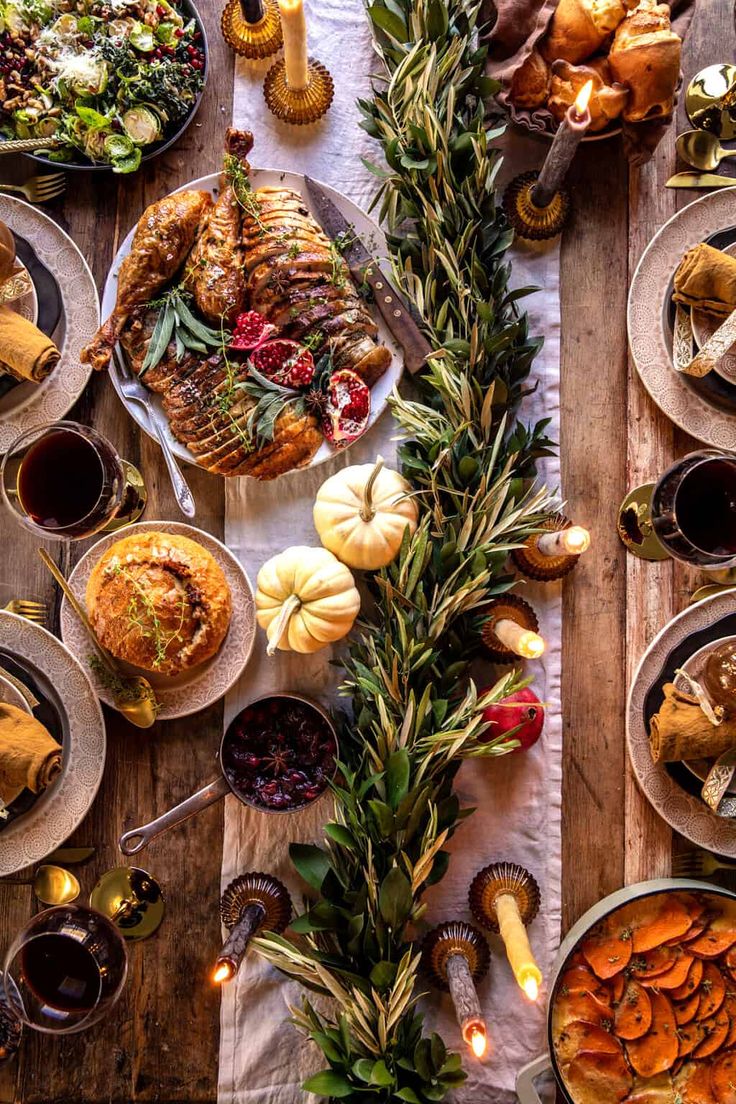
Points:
point(478, 1041)
point(525, 642)
point(223, 972)
point(531, 645)
point(572, 541)
point(583, 98)
point(576, 539)
point(531, 987)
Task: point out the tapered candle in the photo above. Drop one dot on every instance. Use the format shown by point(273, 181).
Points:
point(467, 1006)
point(294, 27)
point(518, 951)
point(456, 956)
point(567, 139)
point(236, 944)
point(524, 642)
point(572, 541)
point(251, 903)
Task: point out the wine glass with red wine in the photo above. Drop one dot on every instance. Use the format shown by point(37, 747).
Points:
point(66, 481)
point(65, 969)
point(693, 509)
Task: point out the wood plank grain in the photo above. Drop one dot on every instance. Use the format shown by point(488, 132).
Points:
point(161, 1041)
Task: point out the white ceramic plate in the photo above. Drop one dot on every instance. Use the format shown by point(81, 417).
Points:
point(58, 811)
point(688, 815)
point(196, 689)
point(648, 311)
point(35, 404)
point(365, 227)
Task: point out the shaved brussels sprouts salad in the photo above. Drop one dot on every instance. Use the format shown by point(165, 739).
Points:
point(106, 78)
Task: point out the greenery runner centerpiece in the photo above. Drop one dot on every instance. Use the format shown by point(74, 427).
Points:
point(416, 714)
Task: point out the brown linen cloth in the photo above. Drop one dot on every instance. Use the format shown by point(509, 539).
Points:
point(706, 281)
point(681, 730)
point(515, 28)
point(29, 755)
point(25, 352)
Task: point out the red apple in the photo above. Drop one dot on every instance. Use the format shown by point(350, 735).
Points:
point(524, 708)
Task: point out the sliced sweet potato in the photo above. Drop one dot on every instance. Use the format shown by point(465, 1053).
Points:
point(717, 1029)
point(581, 979)
point(730, 958)
point(616, 986)
point(712, 991)
point(690, 1036)
point(697, 927)
point(653, 963)
point(675, 976)
point(579, 1036)
point(723, 1078)
point(606, 952)
point(692, 981)
point(656, 1051)
point(692, 1084)
point(596, 1078)
point(633, 1015)
point(687, 1010)
point(569, 1007)
point(659, 919)
point(730, 1007)
point(655, 1090)
point(717, 938)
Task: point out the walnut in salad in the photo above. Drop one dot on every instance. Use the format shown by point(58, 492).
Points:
point(103, 78)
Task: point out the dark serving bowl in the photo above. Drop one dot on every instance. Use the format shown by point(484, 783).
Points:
point(85, 165)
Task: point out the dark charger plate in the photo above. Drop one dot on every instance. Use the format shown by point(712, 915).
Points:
point(47, 294)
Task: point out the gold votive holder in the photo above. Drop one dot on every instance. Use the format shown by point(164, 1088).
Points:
point(252, 40)
point(507, 608)
point(299, 105)
point(529, 221)
point(499, 878)
point(533, 563)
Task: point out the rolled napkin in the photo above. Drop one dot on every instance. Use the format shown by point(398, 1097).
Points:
point(30, 757)
point(681, 730)
point(706, 281)
point(25, 352)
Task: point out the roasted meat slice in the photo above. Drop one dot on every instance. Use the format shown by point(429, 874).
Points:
point(163, 238)
point(214, 268)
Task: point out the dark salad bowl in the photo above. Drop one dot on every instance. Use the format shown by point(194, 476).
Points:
point(84, 164)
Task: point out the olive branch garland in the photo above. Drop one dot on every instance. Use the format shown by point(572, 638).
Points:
point(415, 712)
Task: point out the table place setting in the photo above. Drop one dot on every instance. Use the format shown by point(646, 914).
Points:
point(324, 506)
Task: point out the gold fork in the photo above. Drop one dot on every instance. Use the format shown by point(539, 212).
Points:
point(39, 189)
point(31, 610)
point(698, 864)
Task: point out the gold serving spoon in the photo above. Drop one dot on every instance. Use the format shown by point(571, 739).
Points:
point(53, 885)
point(134, 695)
point(702, 150)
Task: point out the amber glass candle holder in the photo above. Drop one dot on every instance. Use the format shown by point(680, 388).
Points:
point(252, 903)
point(529, 221)
point(254, 39)
point(455, 955)
point(535, 564)
point(299, 105)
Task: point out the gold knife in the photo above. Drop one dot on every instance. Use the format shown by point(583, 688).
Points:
point(700, 180)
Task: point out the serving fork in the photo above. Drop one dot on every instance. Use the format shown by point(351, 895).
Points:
point(31, 610)
point(133, 390)
point(698, 864)
point(39, 189)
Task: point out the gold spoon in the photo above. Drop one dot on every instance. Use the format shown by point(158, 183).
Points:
point(702, 150)
point(53, 885)
point(134, 695)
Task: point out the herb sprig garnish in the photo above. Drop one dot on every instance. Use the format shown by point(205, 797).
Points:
point(142, 614)
point(176, 320)
point(236, 173)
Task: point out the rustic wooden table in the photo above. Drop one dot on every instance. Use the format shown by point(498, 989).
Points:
point(162, 1042)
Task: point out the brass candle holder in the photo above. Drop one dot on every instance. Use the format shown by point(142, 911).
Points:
point(634, 525)
point(132, 899)
point(252, 28)
point(299, 105)
point(251, 903)
point(544, 556)
point(456, 956)
point(529, 221)
point(510, 630)
point(505, 898)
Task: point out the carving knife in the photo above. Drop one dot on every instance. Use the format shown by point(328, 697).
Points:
point(395, 311)
point(700, 180)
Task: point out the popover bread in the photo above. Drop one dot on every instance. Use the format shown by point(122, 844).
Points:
point(159, 601)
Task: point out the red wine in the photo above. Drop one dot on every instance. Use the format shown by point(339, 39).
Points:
point(61, 972)
point(705, 507)
point(66, 481)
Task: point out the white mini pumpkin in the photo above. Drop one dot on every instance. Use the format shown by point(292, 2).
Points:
point(361, 514)
point(305, 599)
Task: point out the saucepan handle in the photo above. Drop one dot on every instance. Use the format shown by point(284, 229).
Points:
point(130, 843)
point(527, 1075)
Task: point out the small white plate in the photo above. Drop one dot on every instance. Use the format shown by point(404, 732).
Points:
point(35, 404)
point(375, 241)
point(192, 690)
point(60, 809)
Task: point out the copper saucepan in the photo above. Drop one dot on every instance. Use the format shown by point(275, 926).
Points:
point(525, 1087)
point(134, 840)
